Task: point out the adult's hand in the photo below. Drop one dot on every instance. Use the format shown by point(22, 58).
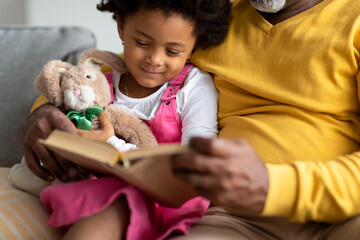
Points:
point(227, 172)
point(41, 162)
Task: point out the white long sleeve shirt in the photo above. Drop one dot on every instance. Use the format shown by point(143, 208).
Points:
point(196, 105)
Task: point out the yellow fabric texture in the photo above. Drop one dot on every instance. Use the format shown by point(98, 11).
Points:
point(39, 102)
point(291, 90)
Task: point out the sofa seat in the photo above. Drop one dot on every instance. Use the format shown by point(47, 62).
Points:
point(22, 215)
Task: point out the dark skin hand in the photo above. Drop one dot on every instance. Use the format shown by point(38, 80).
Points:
point(227, 172)
point(39, 124)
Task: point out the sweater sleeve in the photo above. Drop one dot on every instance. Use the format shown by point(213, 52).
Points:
point(38, 103)
point(315, 191)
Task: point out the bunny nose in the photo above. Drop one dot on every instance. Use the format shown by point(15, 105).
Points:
point(77, 92)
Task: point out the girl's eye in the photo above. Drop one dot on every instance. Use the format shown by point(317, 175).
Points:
point(172, 52)
point(141, 44)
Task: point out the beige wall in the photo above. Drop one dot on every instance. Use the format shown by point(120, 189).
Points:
point(12, 12)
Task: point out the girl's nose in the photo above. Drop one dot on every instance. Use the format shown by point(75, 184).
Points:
point(155, 58)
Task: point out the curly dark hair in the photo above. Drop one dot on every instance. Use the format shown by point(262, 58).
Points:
point(211, 17)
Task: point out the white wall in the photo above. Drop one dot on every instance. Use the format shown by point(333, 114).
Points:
point(60, 13)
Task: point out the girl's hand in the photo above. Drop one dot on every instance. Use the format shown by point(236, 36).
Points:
point(106, 131)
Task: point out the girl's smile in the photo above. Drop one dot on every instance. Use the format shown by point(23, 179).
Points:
point(151, 72)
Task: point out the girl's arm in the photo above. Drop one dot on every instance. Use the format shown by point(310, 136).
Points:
point(197, 105)
point(107, 133)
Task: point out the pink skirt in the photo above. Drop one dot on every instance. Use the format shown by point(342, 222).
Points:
point(72, 201)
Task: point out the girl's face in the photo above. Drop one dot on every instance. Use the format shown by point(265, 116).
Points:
point(156, 47)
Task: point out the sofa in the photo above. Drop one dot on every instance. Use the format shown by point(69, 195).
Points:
point(23, 52)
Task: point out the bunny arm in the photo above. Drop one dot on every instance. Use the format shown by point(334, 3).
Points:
point(129, 127)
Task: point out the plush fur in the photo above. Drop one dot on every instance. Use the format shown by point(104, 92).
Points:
point(84, 85)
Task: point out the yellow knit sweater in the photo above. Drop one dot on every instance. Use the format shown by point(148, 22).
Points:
point(291, 90)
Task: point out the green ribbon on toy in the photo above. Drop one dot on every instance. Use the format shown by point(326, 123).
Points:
point(83, 120)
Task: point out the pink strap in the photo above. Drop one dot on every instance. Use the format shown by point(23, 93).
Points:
point(176, 83)
point(109, 77)
point(180, 78)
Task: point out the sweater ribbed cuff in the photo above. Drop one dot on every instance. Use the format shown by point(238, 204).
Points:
point(282, 193)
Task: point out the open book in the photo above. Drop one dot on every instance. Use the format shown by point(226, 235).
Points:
point(148, 169)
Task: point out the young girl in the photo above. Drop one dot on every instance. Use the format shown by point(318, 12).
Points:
point(177, 101)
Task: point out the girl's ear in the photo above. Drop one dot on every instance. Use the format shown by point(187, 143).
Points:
point(120, 28)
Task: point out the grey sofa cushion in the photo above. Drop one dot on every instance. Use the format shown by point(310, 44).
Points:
point(23, 52)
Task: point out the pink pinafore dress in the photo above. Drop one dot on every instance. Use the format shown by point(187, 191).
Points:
point(70, 202)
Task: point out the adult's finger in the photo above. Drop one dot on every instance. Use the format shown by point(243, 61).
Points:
point(33, 150)
point(58, 120)
point(62, 168)
point(210, 146)
point(34, 165)
point(71, 170)
point(201, 144)
point(40, 124)
point(46, 160)
point(216, 146)
point(193, 162)
point(201, 182)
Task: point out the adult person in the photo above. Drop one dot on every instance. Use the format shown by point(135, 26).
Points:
point(287, 77)
point(288, 93)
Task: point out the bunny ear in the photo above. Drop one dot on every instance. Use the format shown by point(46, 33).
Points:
point(93, 63)
point(48, 81)
point(96, 58)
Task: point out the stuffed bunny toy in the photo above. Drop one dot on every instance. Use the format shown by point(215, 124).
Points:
point(82, 91)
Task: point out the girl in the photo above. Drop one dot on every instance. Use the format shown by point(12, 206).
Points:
point(176, 99)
